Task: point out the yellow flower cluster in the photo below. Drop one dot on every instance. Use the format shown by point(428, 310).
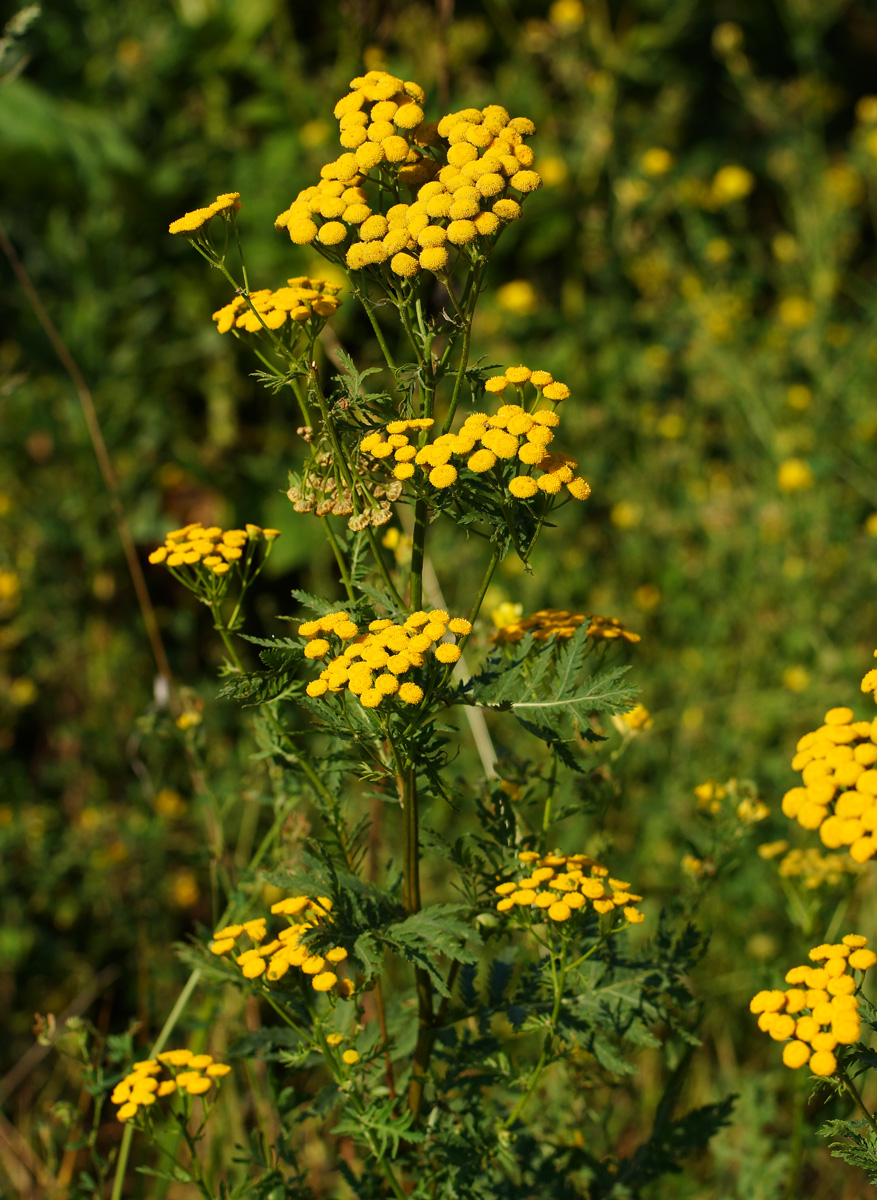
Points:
point(634, 720)
point(747, 807)
point(387, 142)
point(193, 222)
point(144, 1085)
point(213, 548)
point(820, 1011)
point(557, 622)
point(510, 436)
point(275, 957)
point(543, 381)
point(372, 664)
point(560, 884)
point(298, 302)
point(838, 765)
point(812, 866)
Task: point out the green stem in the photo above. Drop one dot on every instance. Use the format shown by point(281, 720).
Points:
point(379, 333)
point(302, 403)
point(464, 359)
point(219, 626)
point(168, 1027)
point(418, 549)
point(558, 973)
point(339, 558)
point(856, 1098)
point(425, 1015)
point(382, 566)
point(546, 812)
point(495, 560)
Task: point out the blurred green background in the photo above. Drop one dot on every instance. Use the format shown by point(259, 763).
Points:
point(699, 268)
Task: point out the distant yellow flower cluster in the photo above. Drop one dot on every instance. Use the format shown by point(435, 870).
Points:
point(194, 222)
point(472, 170)
point(838, 765)
point(811, 866)
point(512, 435)
point(820, 1011)
point(557, 622)
point(182, 1071)
point(373, 663)
point(558, 885)
point(214, 548)
point(288, 949)
point(301, 300)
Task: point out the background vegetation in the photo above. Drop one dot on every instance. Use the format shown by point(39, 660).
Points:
point(699, 268)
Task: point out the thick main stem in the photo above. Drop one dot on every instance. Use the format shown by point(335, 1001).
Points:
point(418, 549)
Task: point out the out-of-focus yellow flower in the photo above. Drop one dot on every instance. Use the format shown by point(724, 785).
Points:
point(866, 110)
point(314, 133)
point(169, 803)
point(625, 514)
point(567, 14)
point(710, 795)
point(22, 691)
point(656, 358)
point(795, 312)
point(692, 718)
point(647, 597)
point(799, 396)
point(871, 525)
point(506, 614)
point(727, 38)
point(770, 850)
point(795, 475)
point(692, 192)
point(871, 143)
point(718, 250)
point(843, 183)
point(188, 720)
point(553, 170)
point(637, 718)
point(10, 587)
point(729, 184)
point(691, 865)
point(795, 679)
point(671, 426)
point(184, 889)
point(752, 811)
point(518, 297)
point(656, 161)
point(630, 192)
point(784, 247)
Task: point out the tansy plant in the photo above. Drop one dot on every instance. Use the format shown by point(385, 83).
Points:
point(435, 1005)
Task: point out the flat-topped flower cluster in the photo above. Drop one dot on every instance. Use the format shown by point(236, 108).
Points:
point(275, 957)
point(214, 548)
point(167, 1073)
point(510, 439)
point(372, 664)
point(472, 169)
point(300, 301)
point(820, 1011)
point(838, 796)
point(560, 623)
point(193, 223)
point(559, 885)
